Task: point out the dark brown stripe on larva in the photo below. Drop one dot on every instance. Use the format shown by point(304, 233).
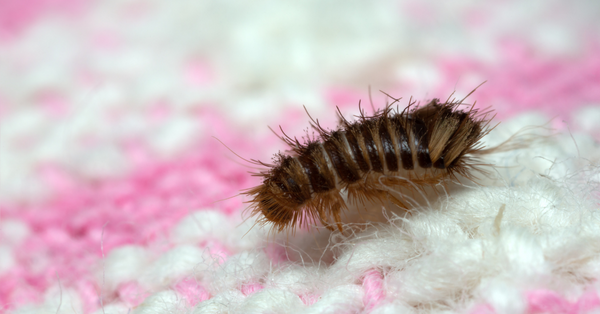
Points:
point(462, 117)
point(294, 189)
point(308, 160)
point(391, 160)
point(421, 143)
point(356, 151)
point(287, 184)
point(341, 166)
point(366, 128)
point(403, 145)
point(439, 164)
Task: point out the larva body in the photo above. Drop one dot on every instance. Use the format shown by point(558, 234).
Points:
point(369, 158)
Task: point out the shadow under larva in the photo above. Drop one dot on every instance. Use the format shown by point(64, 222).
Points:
point(371, 159)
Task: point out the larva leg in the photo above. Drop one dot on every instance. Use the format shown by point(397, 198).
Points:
point(398, 202)
point(330, 205)
point(335, 209)
point(323, 218)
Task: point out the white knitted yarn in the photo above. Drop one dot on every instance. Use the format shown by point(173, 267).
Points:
point(536, 227)
point(533, 224)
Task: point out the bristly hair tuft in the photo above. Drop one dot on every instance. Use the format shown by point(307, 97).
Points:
point(373, 158)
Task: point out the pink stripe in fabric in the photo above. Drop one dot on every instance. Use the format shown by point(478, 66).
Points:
point(374, 290)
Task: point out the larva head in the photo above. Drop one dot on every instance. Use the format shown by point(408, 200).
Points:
point(272, 208)
point(282, 194)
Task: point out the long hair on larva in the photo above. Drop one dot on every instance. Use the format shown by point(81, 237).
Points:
point(412, 149)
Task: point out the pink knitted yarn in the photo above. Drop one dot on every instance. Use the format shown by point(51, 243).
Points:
point(131, 293)
point(545, 301)
point(482, 309)
point(523, 81)
point(136, 209)
point(251, 288)
point(374, 290)
point(16, 15)
point(164, 167)
point(192, 291)
point(85, 220)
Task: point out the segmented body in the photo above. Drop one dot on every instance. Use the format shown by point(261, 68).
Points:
point(418, 147)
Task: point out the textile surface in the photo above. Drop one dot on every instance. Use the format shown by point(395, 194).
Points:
point(115, 196)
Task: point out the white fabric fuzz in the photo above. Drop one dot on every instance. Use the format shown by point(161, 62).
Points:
point(56, 300)
point(340, 299)
point(222, 303)
point(164, 302)
point(447, 256)
point(200, 226)
point(122, 265)
point(239, 269)
point(177, 263)
point(271, 301)
point(528, 227)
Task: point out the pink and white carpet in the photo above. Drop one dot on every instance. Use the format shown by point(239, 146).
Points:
point(116, 198)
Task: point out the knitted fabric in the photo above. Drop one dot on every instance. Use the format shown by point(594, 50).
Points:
point(116, 198)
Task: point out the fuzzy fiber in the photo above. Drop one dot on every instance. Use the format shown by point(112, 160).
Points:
point(116, 198)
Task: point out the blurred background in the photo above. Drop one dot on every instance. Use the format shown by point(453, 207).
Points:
point(109, 106)
point(82, 80)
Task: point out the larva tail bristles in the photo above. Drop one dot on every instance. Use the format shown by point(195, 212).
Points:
point(375, 158)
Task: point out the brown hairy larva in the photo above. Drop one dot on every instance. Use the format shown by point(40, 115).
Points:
point(412, 149)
